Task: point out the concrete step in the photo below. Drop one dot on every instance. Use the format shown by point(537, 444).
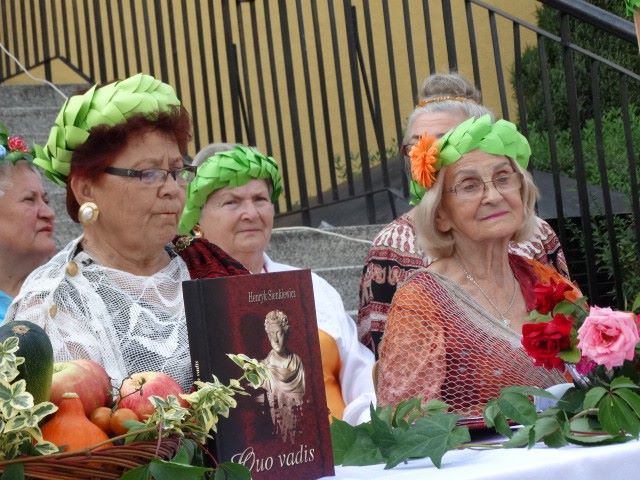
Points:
point(35, 95)
point(321, 248)
point(31, 123)
point(346, 280)
point(337, 254)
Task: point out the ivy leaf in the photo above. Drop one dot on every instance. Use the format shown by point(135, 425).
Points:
point(382, 434)
point(555, 440)
point(436, 406)
point(163, 470)
point(138, 473)
point(430, 437)
point(14, 471)
point(232, 471)
point(593, 396)
point(517, 407)
point(520, 437)
point(185, 453)
point(494, 418)
point(404, 411)
point(363, 451)
point(343, 436)
point(545, 426)
point(533, 391)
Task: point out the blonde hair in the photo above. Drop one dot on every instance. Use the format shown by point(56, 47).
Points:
point(437, 244)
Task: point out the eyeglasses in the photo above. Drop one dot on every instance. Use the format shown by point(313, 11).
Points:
point(474, 187)
point(156, 176)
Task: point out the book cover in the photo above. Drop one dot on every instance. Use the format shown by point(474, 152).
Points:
point(280, 430)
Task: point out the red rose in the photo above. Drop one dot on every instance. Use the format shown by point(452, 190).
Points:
point(549, 295)
point(16, 144)
point(543, 341)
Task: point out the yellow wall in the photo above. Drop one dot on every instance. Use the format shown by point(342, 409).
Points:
point(213, 33)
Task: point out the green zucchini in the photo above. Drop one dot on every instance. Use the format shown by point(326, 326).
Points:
point(35, 347)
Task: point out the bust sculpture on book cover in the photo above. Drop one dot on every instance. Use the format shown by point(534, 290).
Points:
point(285, 389)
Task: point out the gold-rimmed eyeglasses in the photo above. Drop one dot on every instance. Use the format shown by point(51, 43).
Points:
point(475, 187)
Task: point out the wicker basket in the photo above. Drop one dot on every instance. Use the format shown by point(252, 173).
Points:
point(106, 463)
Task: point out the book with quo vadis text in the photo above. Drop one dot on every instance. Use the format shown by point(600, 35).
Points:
point(280, 430)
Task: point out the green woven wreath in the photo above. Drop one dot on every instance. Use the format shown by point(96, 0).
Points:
point(107, 105)
point(499, 138)
point(233, 168)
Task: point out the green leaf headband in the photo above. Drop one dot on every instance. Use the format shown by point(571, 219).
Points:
point(12, 147)
point(499, 138)
point(227, 169)
point(110, 105)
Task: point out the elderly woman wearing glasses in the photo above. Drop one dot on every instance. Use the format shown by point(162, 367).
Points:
point(114, 294)
point(447, 99)
point(453, 331)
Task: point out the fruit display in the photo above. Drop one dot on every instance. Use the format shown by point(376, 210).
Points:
point(70, 428)
point(139, 387)
point(86, 378)
point(35, 348)
point(89, 433)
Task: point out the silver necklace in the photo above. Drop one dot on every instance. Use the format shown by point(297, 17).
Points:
point(504, 319)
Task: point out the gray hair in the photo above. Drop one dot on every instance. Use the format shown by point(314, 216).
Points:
point(7, 169)
point(448, 92)
point(437, 244)
point(210, 150)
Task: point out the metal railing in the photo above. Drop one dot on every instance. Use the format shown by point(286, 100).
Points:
point(325, 87)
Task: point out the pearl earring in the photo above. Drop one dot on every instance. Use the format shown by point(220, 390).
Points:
point(88, 213)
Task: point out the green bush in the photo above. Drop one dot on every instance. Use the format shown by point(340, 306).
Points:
point(614, 145)
point(590, 38)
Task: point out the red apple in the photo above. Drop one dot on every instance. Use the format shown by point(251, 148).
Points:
point(86, 382)
point(100, 374)
point(137, 388)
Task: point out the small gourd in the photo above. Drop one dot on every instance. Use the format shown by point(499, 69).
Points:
point(70, 427)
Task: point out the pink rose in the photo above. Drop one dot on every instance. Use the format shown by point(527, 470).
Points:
point(608, 337)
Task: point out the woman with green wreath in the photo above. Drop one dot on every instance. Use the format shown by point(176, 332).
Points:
point(114, 295)
point(454, 328)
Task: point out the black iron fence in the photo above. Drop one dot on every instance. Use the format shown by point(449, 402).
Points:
point(325, 87)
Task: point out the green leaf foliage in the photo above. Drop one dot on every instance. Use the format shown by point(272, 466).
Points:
point(231, 471)
point(412, 430)
point(517, 407)
point(14, 471)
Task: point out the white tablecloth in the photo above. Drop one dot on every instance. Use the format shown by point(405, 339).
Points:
point(610, 462)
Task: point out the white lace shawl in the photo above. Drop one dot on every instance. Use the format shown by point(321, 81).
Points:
point(128, 323)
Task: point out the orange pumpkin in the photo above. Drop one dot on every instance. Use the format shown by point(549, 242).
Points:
point(70, 427)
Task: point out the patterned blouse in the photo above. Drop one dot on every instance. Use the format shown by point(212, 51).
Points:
point(395, 253)
point(441, 344)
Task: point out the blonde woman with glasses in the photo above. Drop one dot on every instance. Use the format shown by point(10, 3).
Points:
point(453, 330)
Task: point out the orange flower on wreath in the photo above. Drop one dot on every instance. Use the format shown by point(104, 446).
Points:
point(424, 157)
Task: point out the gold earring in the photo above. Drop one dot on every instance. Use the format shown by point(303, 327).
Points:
point(88, 213)
point(197, 231)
